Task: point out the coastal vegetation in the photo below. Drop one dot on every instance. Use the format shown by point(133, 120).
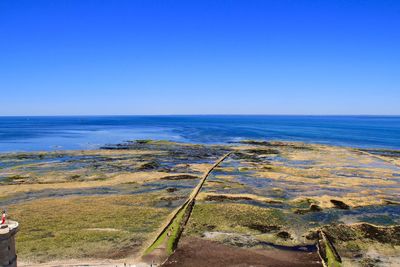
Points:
point(85, 227)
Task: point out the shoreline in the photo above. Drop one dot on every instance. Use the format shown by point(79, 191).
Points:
point(374, 148)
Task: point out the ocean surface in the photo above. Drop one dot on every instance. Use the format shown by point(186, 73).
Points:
point(88, 132)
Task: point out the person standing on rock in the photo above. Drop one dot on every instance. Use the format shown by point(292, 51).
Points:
point(3, 217)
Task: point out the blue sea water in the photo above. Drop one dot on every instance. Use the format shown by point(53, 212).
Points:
point(86, 132)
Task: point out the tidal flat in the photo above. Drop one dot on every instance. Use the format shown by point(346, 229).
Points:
point(111, 202)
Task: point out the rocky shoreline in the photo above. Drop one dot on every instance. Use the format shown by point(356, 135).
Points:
point(264, 194)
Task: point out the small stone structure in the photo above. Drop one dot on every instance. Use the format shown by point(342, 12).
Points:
point(8, 257)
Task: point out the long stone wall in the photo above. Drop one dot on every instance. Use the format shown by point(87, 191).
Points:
point(8, 256)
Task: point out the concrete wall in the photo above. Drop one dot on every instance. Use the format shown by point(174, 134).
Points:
point(8, 257)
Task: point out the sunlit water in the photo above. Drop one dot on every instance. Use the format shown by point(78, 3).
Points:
point(83, 132)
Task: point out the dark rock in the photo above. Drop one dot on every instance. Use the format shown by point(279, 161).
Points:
point(256, 143)
point(312, 235)
point(340, 204)
point(152, 165)
point(315, 207)
point(221, 198)
point(171, 189)
point(263, 228)
point(312, 208)
point(143, 141)
point(263, 151)
point(180, 177)
point(284, 235)
point(382, 234)
point(210, 227)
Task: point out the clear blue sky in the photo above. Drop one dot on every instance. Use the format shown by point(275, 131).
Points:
point(199, 57)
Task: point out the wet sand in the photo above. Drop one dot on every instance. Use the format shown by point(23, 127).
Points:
point(196, 252)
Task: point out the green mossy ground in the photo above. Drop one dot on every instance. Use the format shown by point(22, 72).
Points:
point(231, 217)
point(80, 227)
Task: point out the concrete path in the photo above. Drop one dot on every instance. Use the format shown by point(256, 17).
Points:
point(168, 236)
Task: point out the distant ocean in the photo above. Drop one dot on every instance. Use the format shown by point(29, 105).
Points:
point(87, 132)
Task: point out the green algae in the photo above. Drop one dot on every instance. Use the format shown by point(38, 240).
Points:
point(332, 262)
point(354, 241)
point(232, 217)
point(170, 234)
point(81, 227)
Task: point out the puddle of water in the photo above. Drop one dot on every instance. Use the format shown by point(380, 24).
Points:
point(375, 165)
point(304, 248)
point(255, 182)
point(254, 203)
point(301, 164)
point(380, 215)
point(254, 242)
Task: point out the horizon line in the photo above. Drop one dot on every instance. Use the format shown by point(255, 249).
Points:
point(216, 114)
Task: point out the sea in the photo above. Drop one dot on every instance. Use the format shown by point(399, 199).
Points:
point(44, 133)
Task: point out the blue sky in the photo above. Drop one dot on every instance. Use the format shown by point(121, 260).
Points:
point(199, 57)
